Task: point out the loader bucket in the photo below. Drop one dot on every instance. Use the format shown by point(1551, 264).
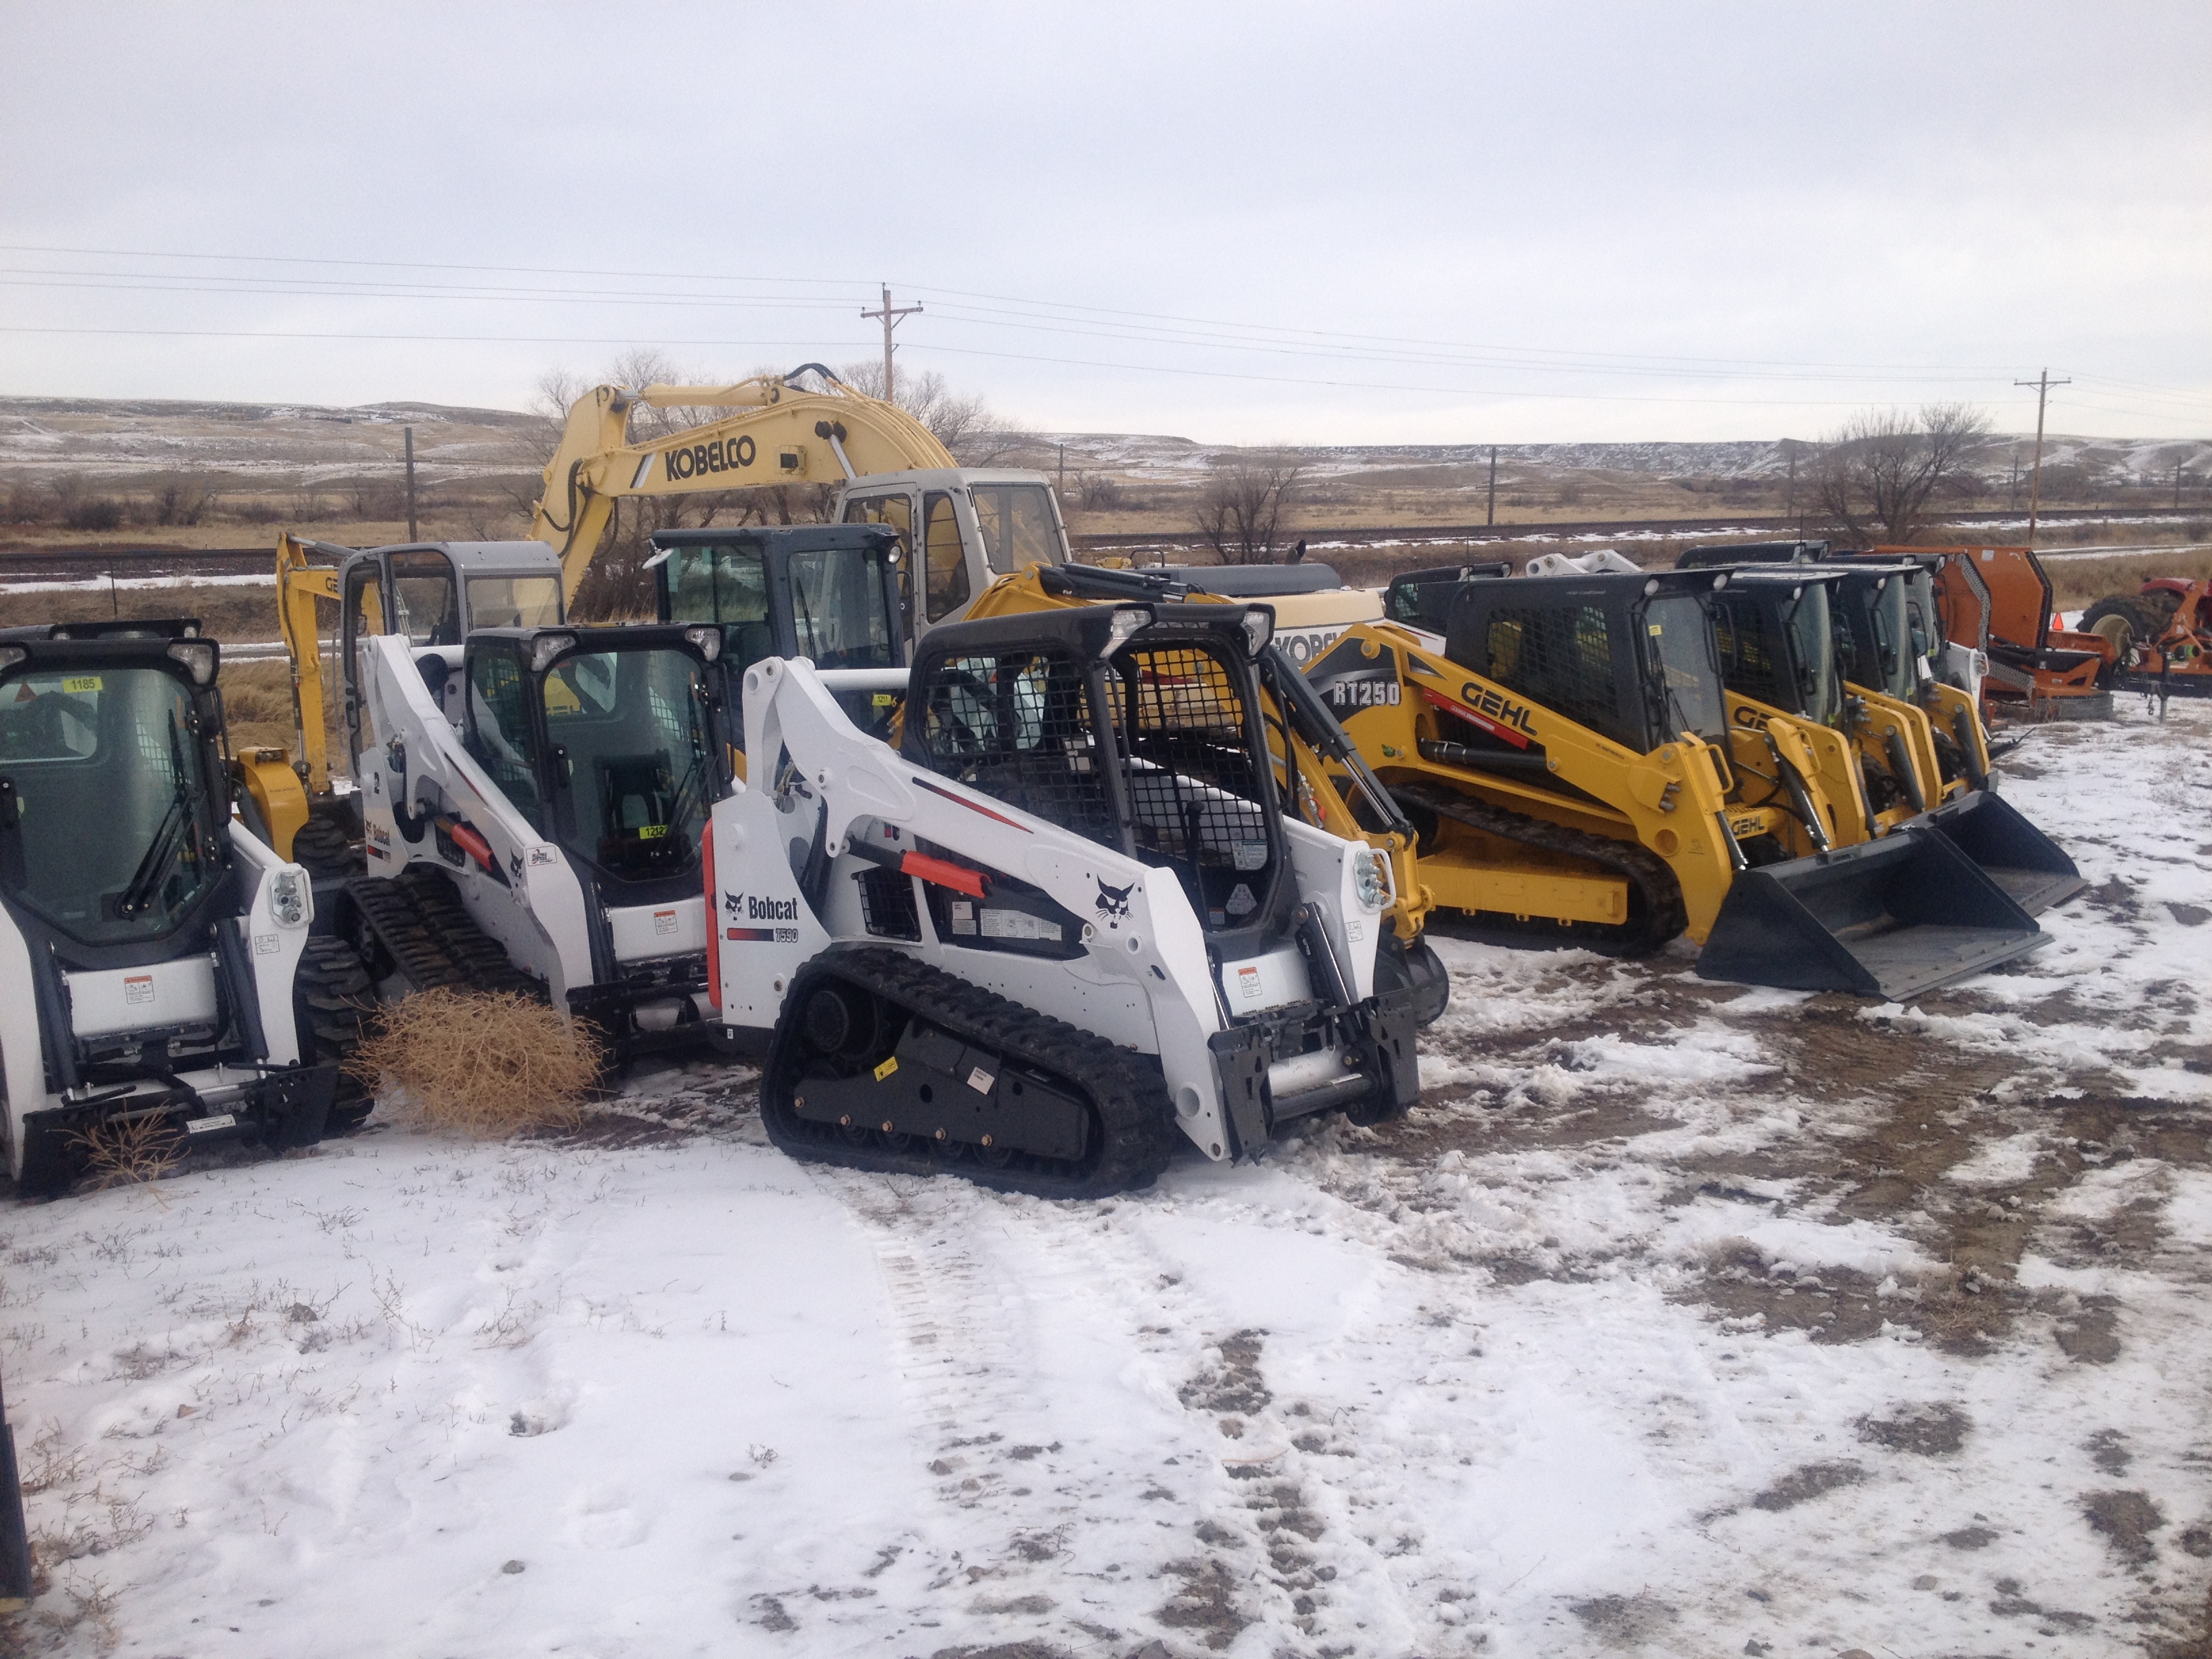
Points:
point(2010, 851)
point(1889, 918)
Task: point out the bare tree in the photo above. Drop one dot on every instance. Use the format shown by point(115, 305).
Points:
point(976, 434)
point(1882, 468)
point(1240, 512)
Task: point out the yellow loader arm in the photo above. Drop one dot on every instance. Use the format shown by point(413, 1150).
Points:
point(780, 434)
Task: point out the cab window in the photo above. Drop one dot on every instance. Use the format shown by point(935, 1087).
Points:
point(1015, 522)
point(896, 511)
point(513, 602)
point(424, 594)
point(947, 568)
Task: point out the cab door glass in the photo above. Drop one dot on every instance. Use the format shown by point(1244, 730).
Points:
point(896, 511)
point(424, 595)
point(364, 620)
point(499, 727)
point(947, 578)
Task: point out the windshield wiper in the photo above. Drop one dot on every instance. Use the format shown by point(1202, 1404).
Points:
point(169, 840)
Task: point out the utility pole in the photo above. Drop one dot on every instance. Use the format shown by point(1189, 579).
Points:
point(2177, 486)
point(1790, 511)
point(410, 485)
point(1063, 474)
point(2042, 383)
point(2013, 505)
point(890, 314)
point(1490, 513)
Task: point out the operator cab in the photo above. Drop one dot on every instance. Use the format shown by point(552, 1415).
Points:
point(604, 738)
point(1775, 628)
point(1630, 657)
point(113, 815)
point(831, 594)
point(971, 524)
point(437, 593)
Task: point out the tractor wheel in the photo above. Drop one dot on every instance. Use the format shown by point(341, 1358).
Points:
point(333, 999)
point(2116, 631)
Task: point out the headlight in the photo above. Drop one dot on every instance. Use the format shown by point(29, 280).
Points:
point(291, 900)
point(546, 647)
point(197, 657)
point(10, 655)
point(708, 640)
point(1371, 873)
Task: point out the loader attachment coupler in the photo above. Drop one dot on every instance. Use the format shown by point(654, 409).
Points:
point(2031, 867)
point(1891, 918)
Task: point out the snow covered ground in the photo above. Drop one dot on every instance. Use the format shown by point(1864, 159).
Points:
point(1679, 1319)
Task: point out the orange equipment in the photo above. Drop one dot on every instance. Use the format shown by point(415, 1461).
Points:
point(1997, 600)
point(2161, 634)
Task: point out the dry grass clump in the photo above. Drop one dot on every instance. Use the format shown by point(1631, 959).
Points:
point(482, 1064)
point(129, 1152)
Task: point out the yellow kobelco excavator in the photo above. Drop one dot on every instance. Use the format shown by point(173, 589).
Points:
point(970, 524)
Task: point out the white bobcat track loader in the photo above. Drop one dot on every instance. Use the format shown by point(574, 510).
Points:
point(532, 803)
point(152, 953)
point(1065, 918)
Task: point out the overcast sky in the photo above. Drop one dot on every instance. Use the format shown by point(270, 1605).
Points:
point(1357, 224)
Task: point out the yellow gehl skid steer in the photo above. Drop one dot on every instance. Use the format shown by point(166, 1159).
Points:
point(1567, 747)
point(1786, 633)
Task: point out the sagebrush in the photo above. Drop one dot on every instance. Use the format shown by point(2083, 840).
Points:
point(482, 1064)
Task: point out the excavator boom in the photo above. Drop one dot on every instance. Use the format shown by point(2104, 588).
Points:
point(777, 434)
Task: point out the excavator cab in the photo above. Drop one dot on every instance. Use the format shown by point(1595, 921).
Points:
point(830, 593)
point(957, 528)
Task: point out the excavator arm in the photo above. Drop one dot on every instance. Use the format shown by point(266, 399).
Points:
point(778, 433)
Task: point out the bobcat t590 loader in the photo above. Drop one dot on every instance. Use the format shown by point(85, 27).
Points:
point(151, 949)
point(532, 804)
point(1067, 917)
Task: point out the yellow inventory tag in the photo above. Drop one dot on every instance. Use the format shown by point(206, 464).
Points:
point(886, 1069)
point(651, 831)
point(81, 683)
point(1655, 627)
point(882, 700)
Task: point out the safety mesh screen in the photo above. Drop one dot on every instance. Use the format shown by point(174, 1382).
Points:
point(887, 907)
point(1750, 666)
point(1559, 657)
point(1016, 725)
point(1195, 794)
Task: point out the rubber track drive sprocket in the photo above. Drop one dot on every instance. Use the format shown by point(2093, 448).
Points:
point(1133, 1132)
point(1656, 913)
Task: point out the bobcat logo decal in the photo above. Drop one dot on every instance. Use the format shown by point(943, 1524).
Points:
point(734, 903)
point(1114, 901)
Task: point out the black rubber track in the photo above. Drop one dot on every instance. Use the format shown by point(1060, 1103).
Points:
point(1656, 913)
point(334, 1001)
point(421, 922)
point(1133, 1124)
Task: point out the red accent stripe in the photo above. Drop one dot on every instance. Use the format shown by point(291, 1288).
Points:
point(714, 905)
point(1476, 717)
point(957, 876)
point(973, 807)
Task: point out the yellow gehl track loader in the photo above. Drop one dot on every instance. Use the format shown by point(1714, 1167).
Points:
point(1787, 635)
point(1567, 748)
